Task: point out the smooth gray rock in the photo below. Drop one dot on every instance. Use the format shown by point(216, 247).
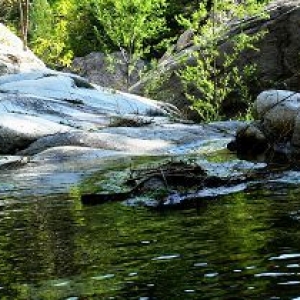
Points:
point(99, 140)
point(277, 125)
point(165, 138)
point(69, 88)
point(13, 57)
point(55, 116)
point(71, 153)
point(39, 104)
point(277, 110)
point(17, 131)
point(107, 71)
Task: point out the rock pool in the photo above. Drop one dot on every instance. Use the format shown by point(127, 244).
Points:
point(244, 245)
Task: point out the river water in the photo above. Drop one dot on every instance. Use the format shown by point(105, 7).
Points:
point(244, 245)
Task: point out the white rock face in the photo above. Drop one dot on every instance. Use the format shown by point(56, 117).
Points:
point(13, 57)
point(17, 130)
point(68, 88)
point(37, 105)
point(99, 140)
point(44, 110)
point(73, 153)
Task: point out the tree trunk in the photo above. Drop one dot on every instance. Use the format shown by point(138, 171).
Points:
point(24, 21)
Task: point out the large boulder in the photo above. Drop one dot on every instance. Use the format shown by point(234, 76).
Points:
point(52, 110)
point(277, 110)
point(277, 59)
point(18, 131)
point(72, 89)
point(107, 70)
point(276, 128)
point(39, 104)
point(13, 57)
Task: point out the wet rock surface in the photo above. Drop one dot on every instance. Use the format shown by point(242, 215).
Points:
point(181, 183)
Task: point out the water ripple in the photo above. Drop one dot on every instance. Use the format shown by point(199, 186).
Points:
point(285, 256)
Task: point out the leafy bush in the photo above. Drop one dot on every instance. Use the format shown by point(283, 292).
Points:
point(129, 24)
point(216, 75)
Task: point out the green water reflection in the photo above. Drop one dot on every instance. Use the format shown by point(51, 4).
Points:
point(242, 246)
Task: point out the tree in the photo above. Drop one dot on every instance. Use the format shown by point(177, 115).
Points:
point(129, 24)
point(216, 74)
point(8, 7)
point(42, 20)
point(50, 31)
point(24, 20)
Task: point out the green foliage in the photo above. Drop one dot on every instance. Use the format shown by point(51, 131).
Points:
point(216, 75)
point(42, 19)
point(50, 31)
point(8, 11)
point(128, 25)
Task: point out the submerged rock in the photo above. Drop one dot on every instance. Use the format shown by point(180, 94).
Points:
point(175, 183)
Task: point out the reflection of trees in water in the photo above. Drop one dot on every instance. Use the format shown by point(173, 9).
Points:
point(225, 236)
point(37, 242)
point(216, 251)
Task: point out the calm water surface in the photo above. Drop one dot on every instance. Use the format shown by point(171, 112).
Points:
point(241, 246)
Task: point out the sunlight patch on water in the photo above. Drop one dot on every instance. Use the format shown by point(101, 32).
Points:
point(289, 283)
point(200, 264)
point(292, 177)
point(103, 277)
point(166, 257)
point(285, 256)
point(293, 266)
point(274, 274)
point(189, 291)
point(211, 275)
point(60, 284)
